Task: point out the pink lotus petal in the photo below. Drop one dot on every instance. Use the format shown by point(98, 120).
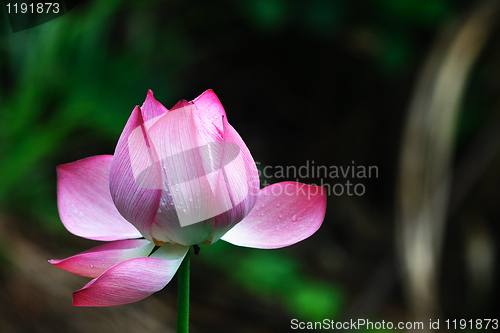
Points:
point(135, 176)
point(239, 179)
point(94, 262)
point(85, 205)
point(152, 110)
point(285, 213)
point(132, 280)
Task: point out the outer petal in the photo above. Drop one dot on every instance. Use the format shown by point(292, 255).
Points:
point(285, 213)
point(135, 176)
point(85, 205)
point(132, 280)
point(95, 261)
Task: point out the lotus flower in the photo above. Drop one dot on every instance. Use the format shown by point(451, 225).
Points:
point(178, 178)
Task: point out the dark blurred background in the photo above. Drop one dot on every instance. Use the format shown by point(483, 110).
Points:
point(326, 81)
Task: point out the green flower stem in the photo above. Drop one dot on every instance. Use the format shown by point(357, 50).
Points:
point(183, 296)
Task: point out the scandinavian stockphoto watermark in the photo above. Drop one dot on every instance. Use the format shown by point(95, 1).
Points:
point(336, 180)
point(198, 183)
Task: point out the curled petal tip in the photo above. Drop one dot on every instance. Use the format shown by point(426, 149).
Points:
point(151, 109)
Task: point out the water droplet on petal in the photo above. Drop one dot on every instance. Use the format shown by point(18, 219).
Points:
point(294, 217)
